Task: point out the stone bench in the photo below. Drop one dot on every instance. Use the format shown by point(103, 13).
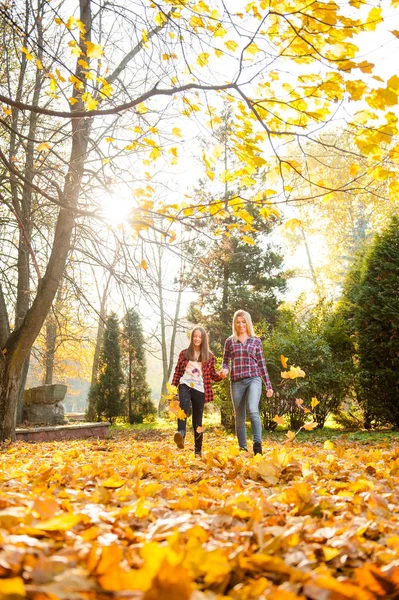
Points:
point(63, 432)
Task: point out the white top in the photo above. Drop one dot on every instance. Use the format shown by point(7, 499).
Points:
point(192, 376)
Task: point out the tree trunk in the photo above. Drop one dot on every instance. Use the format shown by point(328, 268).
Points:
point(51, 339)
point(19, 343)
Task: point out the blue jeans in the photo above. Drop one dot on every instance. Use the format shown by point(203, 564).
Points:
point(243, 391)
point(191, 400)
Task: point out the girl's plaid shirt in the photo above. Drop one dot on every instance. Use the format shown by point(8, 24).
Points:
point(208, 373)
point(246, 360)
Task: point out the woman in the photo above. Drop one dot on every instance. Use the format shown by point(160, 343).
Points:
point(193, 373)
point(243, 356)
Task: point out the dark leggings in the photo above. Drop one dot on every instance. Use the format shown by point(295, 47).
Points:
point(191, 400)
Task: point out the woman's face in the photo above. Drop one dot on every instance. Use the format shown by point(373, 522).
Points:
point(241, 325)
point(197, 339)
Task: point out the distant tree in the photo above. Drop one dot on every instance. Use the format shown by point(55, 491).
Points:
point(107, 390)
point(377, 327)
point(138, 393)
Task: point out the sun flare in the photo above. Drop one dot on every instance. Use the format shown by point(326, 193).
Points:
point(115, 210)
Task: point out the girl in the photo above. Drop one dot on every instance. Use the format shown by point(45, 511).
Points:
point(193, 373)
point(243, 356)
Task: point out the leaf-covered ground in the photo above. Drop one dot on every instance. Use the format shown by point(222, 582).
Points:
point(133, 517)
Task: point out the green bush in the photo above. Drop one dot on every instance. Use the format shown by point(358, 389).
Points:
point(305, 341)
point(377, 327)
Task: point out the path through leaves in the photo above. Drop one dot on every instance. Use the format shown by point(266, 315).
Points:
point(133, 517)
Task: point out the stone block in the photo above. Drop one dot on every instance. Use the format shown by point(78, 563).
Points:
point(52, 414)
point(45, 394)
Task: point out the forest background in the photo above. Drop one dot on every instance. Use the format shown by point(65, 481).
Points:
point(288, 170)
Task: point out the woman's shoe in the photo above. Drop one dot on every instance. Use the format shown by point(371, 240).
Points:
point(198, 454)
point(257, 448)
point(179, 440)
point(243, 449)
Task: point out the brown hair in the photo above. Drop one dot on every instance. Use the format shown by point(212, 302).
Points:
point(204, 348)
point(248, 320)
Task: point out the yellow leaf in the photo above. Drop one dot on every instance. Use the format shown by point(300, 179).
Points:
point(94, 50)
point(181, 414)
point(328, 445)
point(78, 84)
point(172, 389)
point(290, 435)
point(196, 21)
point(374, 17)
point(74, 22)
point(203, 59)
point(143, 265)
point(160, 18)
point(314, 402)
point(39, 64)
point(44, 147)
point(28, 55)
point(248, 240)
point(72, 100)
point(7, 111)
point(292, 224)
point(231, 45)
point(63, 522)
point(12, 587)
point(310, 426)
point(109, 139)
point(106, 91)
point(284, 360)
point(330, 553)
point(113, 483)
point(298, 401)
point(252, 49)
point(279, 420)
point(200, 429)
point(176, 131)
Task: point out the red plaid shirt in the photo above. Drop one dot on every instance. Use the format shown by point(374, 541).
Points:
point(208, 374)
point(246, 360)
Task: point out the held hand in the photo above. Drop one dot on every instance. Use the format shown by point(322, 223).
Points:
point(269, 393)
point(223, 373)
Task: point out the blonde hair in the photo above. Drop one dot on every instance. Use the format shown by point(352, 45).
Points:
point(248, 320)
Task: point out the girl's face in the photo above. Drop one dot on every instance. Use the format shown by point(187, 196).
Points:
point(197, 339)
point(241, 325)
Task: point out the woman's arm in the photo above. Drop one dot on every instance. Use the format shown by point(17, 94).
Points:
point(260, 358)
point(226, 355)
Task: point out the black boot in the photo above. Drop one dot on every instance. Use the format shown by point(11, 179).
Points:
point(257, 448)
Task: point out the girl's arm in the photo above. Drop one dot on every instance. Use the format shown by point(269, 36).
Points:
point(212, 371)
point(179, 369)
